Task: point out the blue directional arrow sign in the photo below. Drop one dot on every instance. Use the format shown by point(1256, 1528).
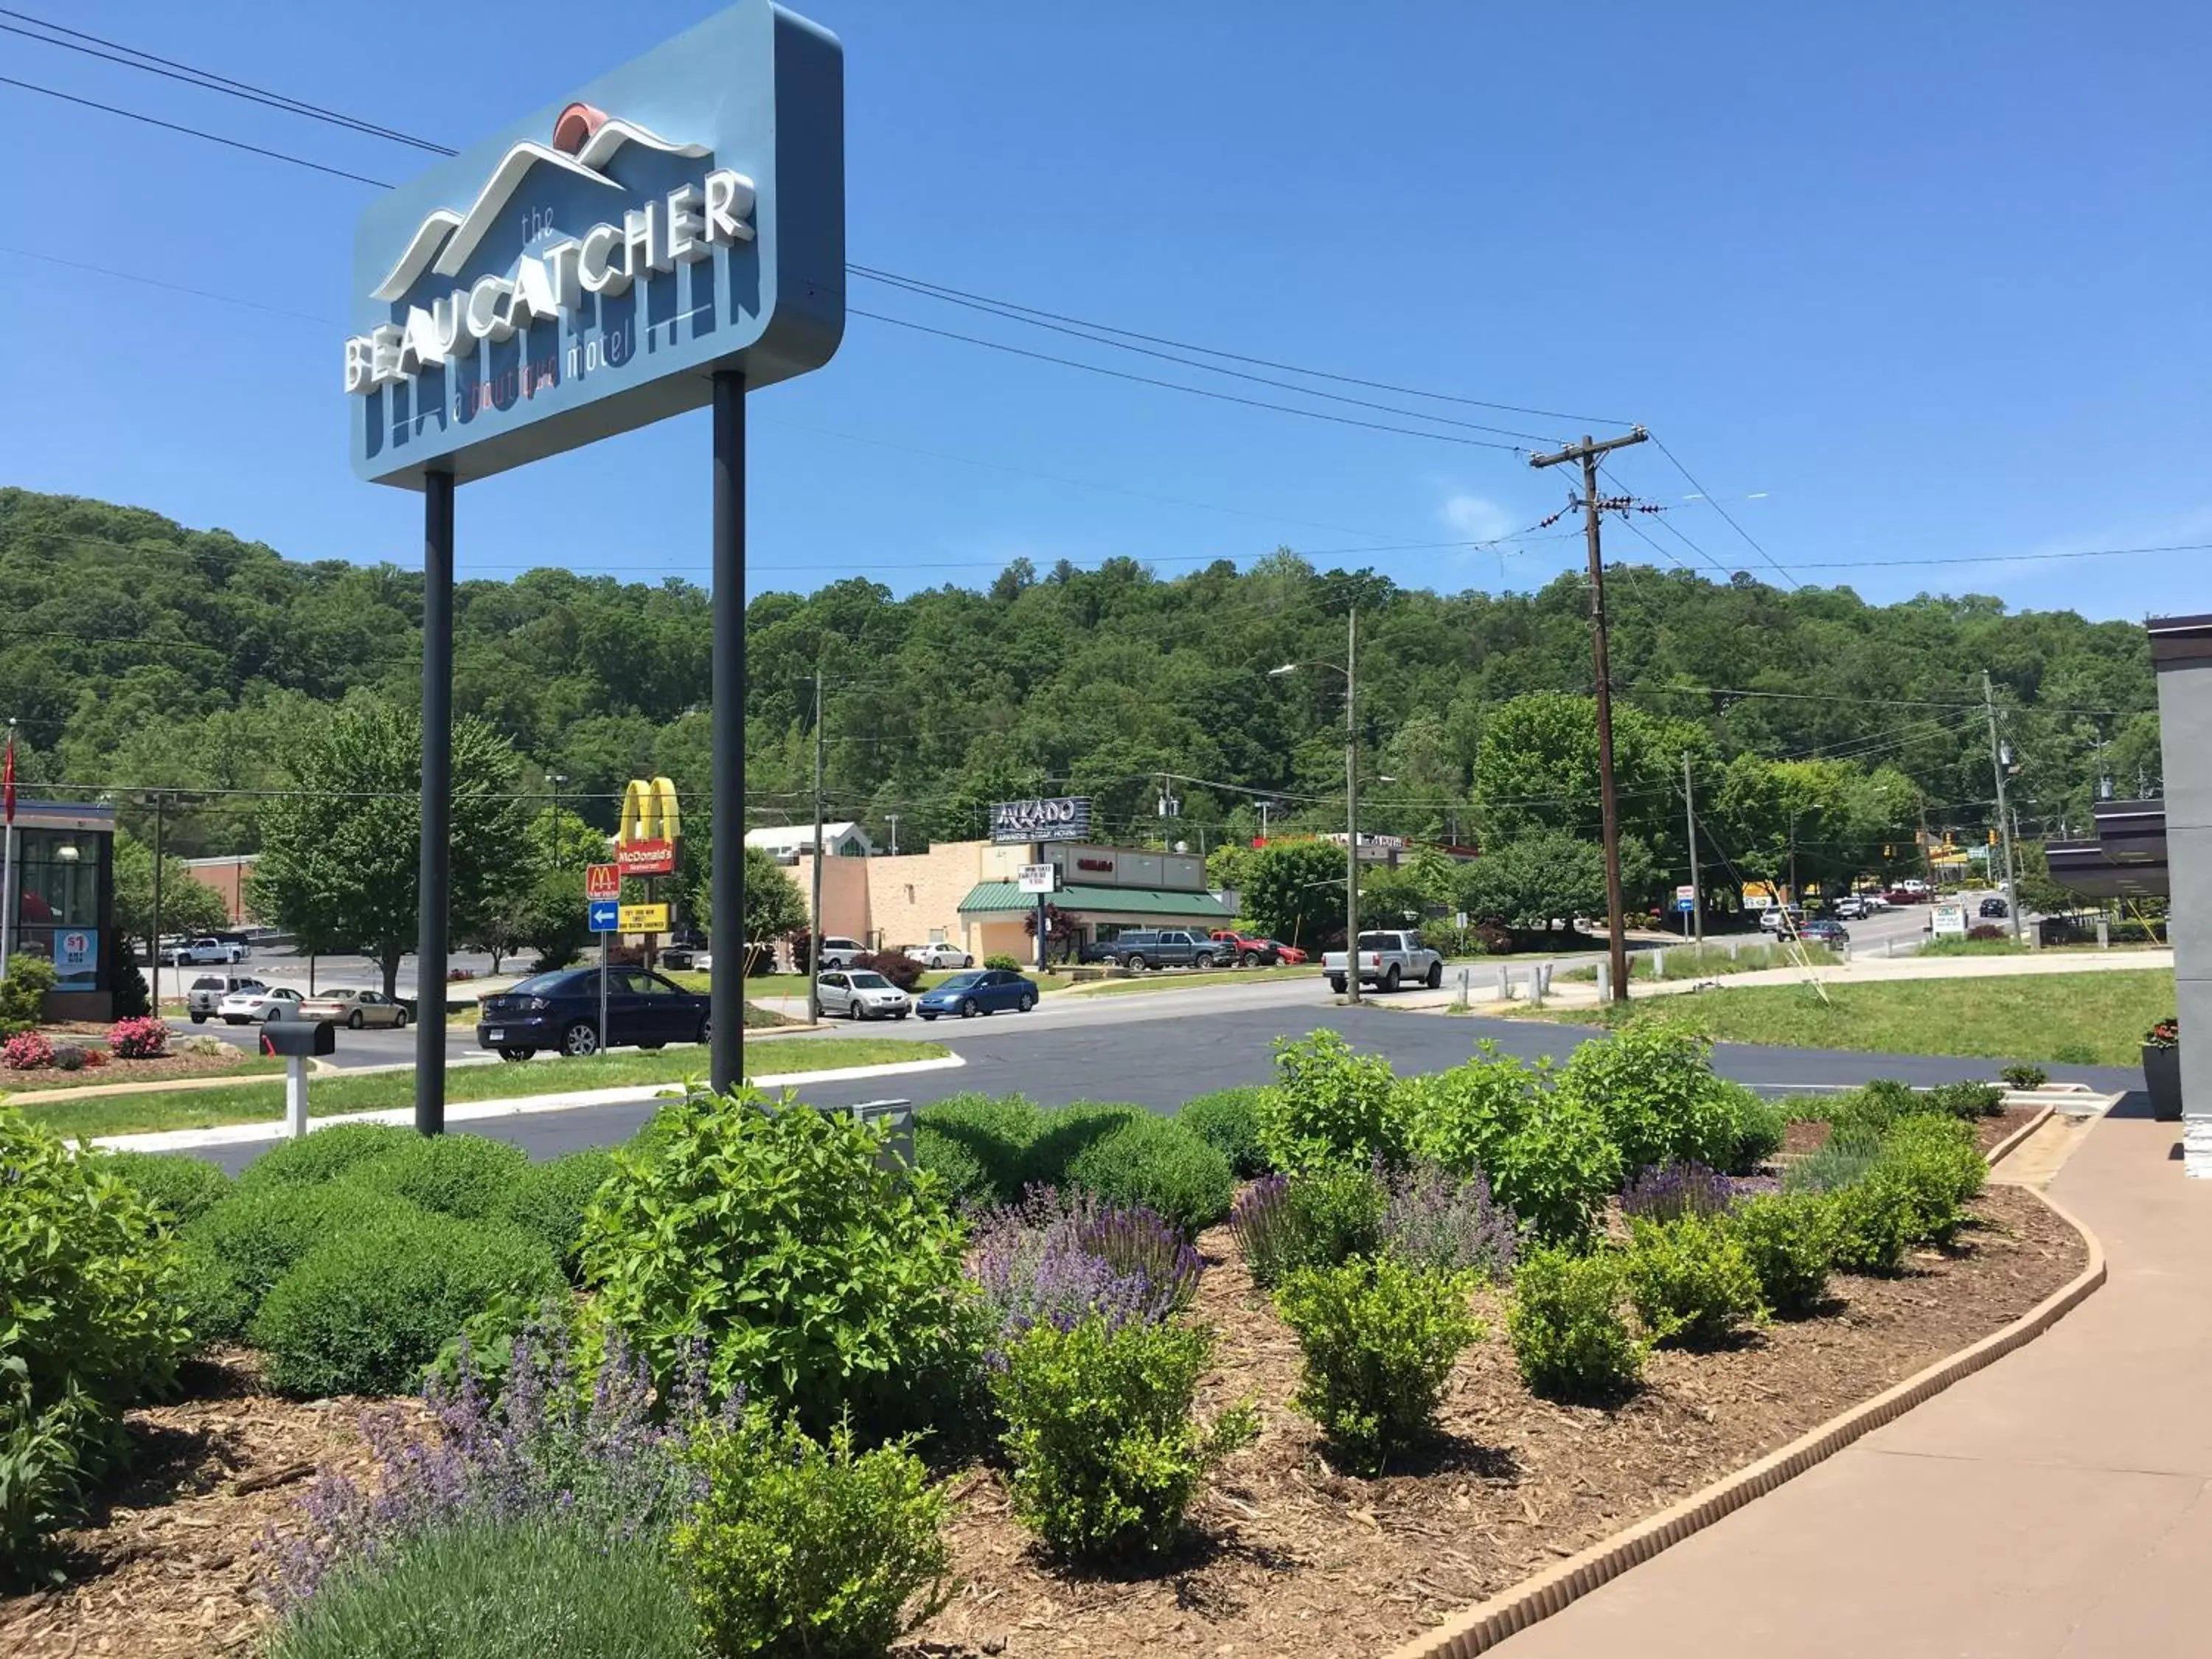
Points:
point(602, 916)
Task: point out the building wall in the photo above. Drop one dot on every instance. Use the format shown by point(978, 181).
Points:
point(227, 877)
point(2185, 716)
point(911, 899)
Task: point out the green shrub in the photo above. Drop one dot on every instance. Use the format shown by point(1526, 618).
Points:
point(1003, 960)
point(469, 1178)
point(1870, 1109)
point(1691, 1279)
point(1336, 1214)
point(543, 1587)
point(1569, 1337)
point(1328, 1105)
point(215, 1305)
point(1106, 1453)
point(1967, 1100)
point(182, 1188)
point(23, 993)
point(1159, 1164)
point(2024, 1077)
point(818, 1279)
point(366, 1312)
point(324, 1155)
point(1760, 1129)
point(90, 1324)
point(1066, 1133)
point(1380, 1340)
point(978, 1146)
point(1875, 1218)
point(1789, 1240)
point(1547, 1155)
point(1228, 1119)
point(1459, 1118)
point(1652, 1083)
point(259, 1234)
point(1840, 1161)
point(807, 1550)
point(548, 1199)
point(1935, 1160)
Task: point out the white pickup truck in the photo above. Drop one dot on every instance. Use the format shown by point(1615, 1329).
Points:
point(1388, 960)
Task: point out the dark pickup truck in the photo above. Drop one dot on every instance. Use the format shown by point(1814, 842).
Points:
point(1144, 947)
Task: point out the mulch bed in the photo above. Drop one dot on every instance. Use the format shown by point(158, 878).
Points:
point(1803, 1137)
point(1288, 1556)
point(166, 1069)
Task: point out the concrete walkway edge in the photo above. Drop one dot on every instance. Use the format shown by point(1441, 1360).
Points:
point(236, 1134)
point(1488, 1623)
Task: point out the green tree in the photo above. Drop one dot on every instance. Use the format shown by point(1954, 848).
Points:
point(1294, 891)
point(187, 906)
point(541, 906)
point(774, 904)
point(1547, 877)
point(338, 854)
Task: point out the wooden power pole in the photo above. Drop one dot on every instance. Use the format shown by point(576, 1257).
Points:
point(1587, 452)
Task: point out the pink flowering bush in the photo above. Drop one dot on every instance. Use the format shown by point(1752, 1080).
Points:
point(27, 1051)
point(144, 1038)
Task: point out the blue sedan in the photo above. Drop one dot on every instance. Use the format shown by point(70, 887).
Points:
point(981, 991)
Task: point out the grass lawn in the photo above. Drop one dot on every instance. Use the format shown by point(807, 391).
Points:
point(246, 1102)
point(2078, 1019)
point(1713, 961)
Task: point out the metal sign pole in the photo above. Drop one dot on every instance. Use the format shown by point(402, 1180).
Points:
point(725, 925)
point(437, 803)
point(604, 959)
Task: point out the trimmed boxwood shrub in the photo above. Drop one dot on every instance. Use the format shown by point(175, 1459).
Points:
point(257, 1235)
point(366, 1312)
point(1691, 1280)
point(1566, 1322)
point(89, 1325)
point(1228, 1119)
point(978, 1146)
point(549, 1201)
point(1380, 1340)
point(469, 1177)
point(1789, 1240)
point(1156, 1163)
point(182, 1188)
point(324, 1155)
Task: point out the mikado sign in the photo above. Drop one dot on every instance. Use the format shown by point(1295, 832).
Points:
point(587, 269)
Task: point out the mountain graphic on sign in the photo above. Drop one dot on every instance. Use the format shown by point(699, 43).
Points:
point(585, 140)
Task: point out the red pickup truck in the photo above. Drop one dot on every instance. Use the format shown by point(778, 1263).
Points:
point(1252, 950)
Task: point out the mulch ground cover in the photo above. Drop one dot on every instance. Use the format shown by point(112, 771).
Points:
point(168, 1068)
point(1289, 1555)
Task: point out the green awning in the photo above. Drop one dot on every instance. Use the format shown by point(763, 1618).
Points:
point(990, 898)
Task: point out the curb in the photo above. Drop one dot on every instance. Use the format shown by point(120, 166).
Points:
point(1998, 1152)
point(1486, 1625)
point(629, 1094)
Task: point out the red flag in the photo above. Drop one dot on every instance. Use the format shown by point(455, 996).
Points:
point(7, 781)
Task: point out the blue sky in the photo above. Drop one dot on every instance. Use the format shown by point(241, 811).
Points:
point(1894, 282)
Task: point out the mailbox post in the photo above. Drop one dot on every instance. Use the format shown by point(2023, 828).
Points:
point(297, 1042)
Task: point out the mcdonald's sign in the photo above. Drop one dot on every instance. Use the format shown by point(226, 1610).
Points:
point(645, 843)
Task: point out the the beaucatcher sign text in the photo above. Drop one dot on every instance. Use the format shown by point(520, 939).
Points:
point(587, 270)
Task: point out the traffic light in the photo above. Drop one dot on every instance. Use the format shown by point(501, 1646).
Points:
point(1993, 837)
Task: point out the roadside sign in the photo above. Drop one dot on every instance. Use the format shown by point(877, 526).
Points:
point(646, 858)
point(603, 916)
point(1949, 920)
point(1684, 905)
point(1758, 895)
point(602, 881)
point(644, 918)
point(1686, 894)
point(1037, 879)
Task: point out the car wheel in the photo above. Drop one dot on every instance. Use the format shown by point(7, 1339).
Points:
point(707, 1029)
point(1336, 984)
point(967, 961)
point(1203, 959)
point(581, 1041)
point(515, 1054)
point(1136, 964)
point(199, 1019)
point(1435, 975)
point(927, 1018)
point(353, 1020)
point(1251, 958)
point(1390, 979)
point(969, 1009)
point(901, 1014)
point(1027, 1003)
point(399, 1020)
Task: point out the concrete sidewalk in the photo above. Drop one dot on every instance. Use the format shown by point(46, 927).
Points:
point(2057, 1504)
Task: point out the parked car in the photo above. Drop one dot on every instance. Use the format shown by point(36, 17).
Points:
point(1141, 948)
point(839, 952)
point(1821, 931)
point(208, 991)
point(560, 1011)
point(938, 953)
point(1917, 894)
point(1250, 949)
point(1994, 906)
point(861, 994)
point(1851, 907)
point(258, 1005)
point(1388, 960)
point(1289, 955)
point(1772, 919)
point(355, 1009)
point(979, 991)
point(206, 949)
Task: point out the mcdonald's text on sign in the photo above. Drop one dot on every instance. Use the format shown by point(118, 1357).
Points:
point(602, 881)
point(644, 919)
point(646, 858)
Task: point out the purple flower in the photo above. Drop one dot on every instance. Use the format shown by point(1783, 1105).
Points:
point(1669, 1191)
point(1264, 1224)
point(1437, 1218)
point(1056, 1260)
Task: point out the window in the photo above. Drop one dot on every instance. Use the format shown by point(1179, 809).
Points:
point(58, 876)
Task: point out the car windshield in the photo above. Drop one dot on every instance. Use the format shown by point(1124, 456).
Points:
point(541, 985)
point(961, 982)
point(867, 981)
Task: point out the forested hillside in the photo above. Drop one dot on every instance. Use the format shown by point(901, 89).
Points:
point(136, 652)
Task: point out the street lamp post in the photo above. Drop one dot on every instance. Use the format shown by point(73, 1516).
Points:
point(1350, 669)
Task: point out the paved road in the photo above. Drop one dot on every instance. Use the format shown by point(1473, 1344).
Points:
point(1160, 1057)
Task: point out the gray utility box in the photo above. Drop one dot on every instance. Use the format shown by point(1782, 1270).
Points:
point(897, 1116)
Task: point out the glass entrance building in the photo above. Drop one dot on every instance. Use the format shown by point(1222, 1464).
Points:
point(63, 902)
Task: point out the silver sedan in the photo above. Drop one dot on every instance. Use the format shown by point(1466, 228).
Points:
point(862, 993)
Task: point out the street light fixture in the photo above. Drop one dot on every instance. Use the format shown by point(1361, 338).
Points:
point(1349, 669)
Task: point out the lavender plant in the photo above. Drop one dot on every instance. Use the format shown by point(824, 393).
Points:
point(1447, 1223)
point(1264, 1223)
point(1671, 1190)
point(1055, 1258)
point(608, 1457)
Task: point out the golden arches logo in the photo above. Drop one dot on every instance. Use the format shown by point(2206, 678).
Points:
point(649, 812)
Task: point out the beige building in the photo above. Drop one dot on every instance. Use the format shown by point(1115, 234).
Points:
point(965, 893)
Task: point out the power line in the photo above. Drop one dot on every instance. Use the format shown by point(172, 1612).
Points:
point(193, 132)
point(1725, 513)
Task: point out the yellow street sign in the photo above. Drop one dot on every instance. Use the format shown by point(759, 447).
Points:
point(643, 918)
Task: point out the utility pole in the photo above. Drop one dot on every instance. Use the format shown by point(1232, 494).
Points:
point(10, 900)
point(1352, 804)
point(1587, 452)
point(814, 943)
point(157, 905)
point(1689, 820)
point(1997, 758)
